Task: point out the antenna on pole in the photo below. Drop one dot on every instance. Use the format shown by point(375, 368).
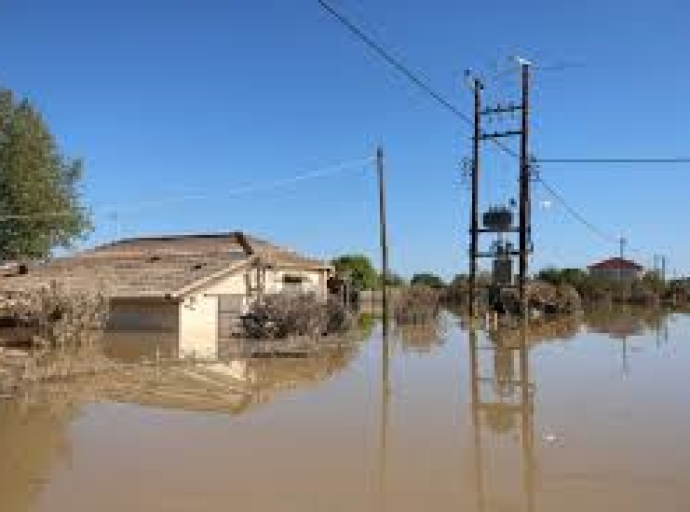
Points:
point(623, 242)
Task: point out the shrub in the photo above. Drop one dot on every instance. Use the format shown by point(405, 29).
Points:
point(59, 319)
point(416, 304)
point(285, 315)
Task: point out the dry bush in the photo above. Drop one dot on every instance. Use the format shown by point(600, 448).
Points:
point(552, 299)
point(285, 315)
point(62, 320)
point(417, 304)
point(64, 330)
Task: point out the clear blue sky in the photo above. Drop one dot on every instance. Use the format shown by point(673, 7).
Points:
point(160, 98)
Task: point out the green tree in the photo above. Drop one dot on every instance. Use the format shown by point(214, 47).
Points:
point(39, 200)
point(572, 276)
point(360, 269)
point(428, 279)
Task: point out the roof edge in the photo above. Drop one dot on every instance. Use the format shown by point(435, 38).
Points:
point(211, 277)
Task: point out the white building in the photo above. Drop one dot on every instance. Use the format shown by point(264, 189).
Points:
point(191, 289)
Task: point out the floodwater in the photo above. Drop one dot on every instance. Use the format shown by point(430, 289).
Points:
point(590, 416)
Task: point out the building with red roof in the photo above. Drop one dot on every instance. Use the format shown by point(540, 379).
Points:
point(616, 268)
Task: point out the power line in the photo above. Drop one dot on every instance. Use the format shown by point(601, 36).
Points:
point(426, 87)
point(678, 160)
point(577, 215)
point(396, 63)
point(407, 72)
point(250, 188)
point(323, 172)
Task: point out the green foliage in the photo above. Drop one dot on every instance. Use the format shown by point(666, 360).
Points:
point(38, 181)
point(557, 277)
point(428, 279)
point(360, 269)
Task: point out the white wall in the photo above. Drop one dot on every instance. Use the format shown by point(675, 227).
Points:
point(198, 327)
point(199, 316)
point(313, 280)
point(198, 332)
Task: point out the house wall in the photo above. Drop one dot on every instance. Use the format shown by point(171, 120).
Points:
point(314, 281)
point(199, 311)
point(192, 324)
point(199, 315)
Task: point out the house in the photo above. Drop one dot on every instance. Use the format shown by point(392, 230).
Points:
point(193, 288)
point(616, 268)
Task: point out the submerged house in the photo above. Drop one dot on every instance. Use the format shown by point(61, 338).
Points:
point(616, 269)
point(192, 288)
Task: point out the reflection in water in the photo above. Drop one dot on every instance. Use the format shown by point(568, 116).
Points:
point(353, 445)
point(33, 439)
point(422, 337)
point(502, 398)
point(385, 393)
point(231, 386)
point(624, 322)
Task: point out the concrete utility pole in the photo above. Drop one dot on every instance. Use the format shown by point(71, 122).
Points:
point(474, 216)
point(383, 234)
point(525, 224)
point(497, 225)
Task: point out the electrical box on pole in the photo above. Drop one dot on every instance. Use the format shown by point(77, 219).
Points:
point(499, 219)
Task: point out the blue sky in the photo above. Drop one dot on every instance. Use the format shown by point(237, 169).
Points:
point(162, 99)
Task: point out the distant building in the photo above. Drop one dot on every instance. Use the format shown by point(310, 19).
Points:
point(616, 268)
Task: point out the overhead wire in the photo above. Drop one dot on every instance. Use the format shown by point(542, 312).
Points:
point(395, 62)
point(555, 194)
point(323, 172)
point(425, 86)
point(413, 77)
point(677, 160)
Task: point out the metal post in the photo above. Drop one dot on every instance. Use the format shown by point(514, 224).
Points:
point(384, 234)
point(474, 217)
point(524, 188)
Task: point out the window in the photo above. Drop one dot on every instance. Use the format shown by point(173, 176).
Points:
point(293, 284)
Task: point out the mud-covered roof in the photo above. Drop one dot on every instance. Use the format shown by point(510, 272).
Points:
point(154, 266)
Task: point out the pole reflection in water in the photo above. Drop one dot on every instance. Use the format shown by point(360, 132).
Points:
point(385, 405)
point(498, 399)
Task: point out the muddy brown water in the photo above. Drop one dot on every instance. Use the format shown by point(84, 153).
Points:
point(443, 423)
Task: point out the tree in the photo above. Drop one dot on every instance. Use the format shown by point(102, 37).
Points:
point(572, 276)
point(428, 279)
point(39, 200)
point(360, 269)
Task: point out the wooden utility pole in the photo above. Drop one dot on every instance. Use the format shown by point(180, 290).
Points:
point(383, 234)
point(474, 217)
point(525, 227)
